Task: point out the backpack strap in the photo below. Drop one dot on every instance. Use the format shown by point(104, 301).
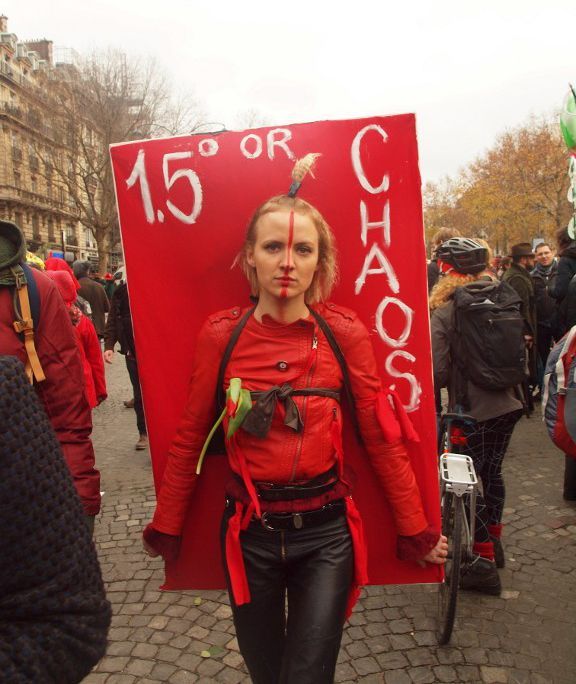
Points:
point(33, 294)
point(459, 382)
point(328, 333)
point(220, 394)
point(333, 342)
point(24, 323)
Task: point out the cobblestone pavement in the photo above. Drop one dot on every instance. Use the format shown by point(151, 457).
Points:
point(526, 635)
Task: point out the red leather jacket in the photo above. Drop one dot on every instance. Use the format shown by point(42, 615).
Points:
point(267, 354)
point(62, 393)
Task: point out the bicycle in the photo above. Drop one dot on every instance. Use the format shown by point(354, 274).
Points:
point(458, 491)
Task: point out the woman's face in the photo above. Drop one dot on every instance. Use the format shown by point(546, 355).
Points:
point(285, 254)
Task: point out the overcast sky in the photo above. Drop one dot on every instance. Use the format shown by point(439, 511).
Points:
point(468, 70)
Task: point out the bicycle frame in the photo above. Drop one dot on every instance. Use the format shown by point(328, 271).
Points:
point(458, 486)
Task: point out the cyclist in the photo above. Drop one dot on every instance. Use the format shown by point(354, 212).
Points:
point(462, 261)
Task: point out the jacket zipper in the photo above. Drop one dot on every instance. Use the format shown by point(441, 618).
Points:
point(304, 408)
point(283, 545)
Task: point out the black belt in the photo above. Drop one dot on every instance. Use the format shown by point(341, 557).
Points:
point(269, 491)
point(277, 522)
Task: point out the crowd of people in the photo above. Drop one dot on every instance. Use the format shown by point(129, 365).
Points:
point(545, 296)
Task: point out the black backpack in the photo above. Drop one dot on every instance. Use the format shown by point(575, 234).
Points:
point(487, 345)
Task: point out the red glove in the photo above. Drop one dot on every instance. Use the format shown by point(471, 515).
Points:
point(416, 546)
point(165, 545)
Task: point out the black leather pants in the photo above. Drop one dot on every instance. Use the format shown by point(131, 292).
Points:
point(311, 567)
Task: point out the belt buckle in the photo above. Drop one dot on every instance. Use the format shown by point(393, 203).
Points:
point(297, 522)
point(265, 524)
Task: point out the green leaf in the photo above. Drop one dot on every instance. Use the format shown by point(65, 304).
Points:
point(205, 654)
point(197, 601)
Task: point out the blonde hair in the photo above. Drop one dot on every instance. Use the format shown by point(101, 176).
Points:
point(489, 252)
point(326, 275)
point(444, 288)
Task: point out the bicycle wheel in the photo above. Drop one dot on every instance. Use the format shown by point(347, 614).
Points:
point(452, 524)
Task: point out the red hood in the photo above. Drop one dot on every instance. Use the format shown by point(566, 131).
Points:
point(64, 283)
point(57, 264)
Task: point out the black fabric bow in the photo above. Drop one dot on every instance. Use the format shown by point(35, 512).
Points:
point(259, 420)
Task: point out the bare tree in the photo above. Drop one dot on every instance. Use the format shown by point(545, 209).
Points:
point(251, 118)
point(107, 99)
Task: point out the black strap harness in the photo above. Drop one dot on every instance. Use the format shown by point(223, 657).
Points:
point(258, 421)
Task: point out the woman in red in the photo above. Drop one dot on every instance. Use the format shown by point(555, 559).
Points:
point(290, 526)
point(88, 344)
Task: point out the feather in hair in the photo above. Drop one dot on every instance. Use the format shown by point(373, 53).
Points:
point(301, 168)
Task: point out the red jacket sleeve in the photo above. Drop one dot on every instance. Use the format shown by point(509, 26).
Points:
point(180, 473)
point(382, 432)
point(62, 393)
point(93, 354)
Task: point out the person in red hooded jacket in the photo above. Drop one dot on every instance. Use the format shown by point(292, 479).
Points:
point(290, 527)
point(88, 344)
point(62, 390)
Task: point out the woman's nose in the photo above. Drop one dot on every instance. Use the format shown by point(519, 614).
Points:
point(287, 260)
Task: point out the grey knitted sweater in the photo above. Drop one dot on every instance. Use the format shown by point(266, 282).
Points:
point(54, 616)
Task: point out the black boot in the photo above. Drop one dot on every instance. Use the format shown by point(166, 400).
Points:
point(482, 576)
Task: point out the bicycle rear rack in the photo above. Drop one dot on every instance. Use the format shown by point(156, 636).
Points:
point(457, 473)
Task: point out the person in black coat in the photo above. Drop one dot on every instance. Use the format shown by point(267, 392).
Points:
point(54, 616)
point(544, 278)
point(119, 329)
point(564, 290)
point(94, 293)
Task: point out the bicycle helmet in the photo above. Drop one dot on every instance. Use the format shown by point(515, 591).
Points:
point(463, 254)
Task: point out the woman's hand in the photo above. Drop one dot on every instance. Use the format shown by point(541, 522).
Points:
point(108, 355)
point(160, 544)
point(438, 554)
point(149, 549)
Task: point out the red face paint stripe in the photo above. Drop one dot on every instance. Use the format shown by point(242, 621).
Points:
point(284, 290)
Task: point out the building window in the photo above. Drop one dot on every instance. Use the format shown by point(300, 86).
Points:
point(71, 235)
point(51, 236)
point(33, 159)
point(17, 179)
point(16, 149)
point(36, 227)
point(49, 189)
point(89, 238)
point(33, 184)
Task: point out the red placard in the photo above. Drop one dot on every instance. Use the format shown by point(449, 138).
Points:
point(184, 204)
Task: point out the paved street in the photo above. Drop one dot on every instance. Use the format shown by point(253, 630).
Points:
point(527, 635)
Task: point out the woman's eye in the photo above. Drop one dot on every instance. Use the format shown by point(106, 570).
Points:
point(272, 247)
point(303, 249)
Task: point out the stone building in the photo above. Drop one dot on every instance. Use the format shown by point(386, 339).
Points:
point(32, 136)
